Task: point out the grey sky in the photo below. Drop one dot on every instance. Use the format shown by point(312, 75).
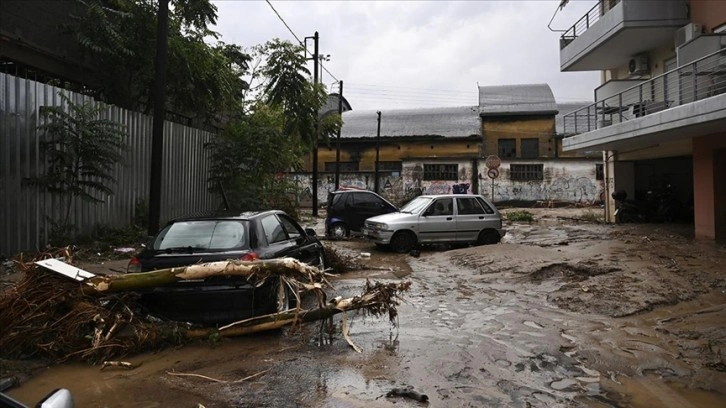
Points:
point(407, 54)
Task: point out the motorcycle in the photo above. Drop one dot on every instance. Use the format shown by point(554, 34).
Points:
point(630, 210)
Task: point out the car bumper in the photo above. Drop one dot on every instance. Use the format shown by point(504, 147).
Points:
point(379, 237)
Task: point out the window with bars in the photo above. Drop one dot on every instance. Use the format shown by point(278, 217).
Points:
point(390, 166)
point(525, 172)
point(530, 148)
point(599, 172)
point(507, 148)
point(344, 166)
point(441, 172)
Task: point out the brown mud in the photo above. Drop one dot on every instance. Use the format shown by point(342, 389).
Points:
point(563, 313)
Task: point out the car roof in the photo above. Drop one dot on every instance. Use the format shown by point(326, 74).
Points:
point(450, 195)
point(353, 191)
point(228, 215)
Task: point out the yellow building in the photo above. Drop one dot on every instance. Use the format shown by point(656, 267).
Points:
point(443, 150)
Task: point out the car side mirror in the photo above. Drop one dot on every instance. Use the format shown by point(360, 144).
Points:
point(60, 398)
point(310, 231)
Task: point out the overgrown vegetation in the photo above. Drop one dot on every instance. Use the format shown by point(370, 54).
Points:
point(206, 82)
point(520, 216)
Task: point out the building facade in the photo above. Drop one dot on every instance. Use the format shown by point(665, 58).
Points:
point(444, 150)
point(660, 113)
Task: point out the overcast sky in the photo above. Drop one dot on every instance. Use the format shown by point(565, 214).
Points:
point(407, 54)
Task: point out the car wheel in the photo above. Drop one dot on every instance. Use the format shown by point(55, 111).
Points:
point(339, 230)
point(488, 237)
point(403, 241)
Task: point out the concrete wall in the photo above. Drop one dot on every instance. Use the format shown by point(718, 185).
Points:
point(364, 150)
point(564, 180)
point(709, 186)
point(710, 13)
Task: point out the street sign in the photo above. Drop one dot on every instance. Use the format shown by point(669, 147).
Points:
point(493, 173)
point(493, 162)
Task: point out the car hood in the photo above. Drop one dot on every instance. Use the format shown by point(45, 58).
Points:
point(394, 217)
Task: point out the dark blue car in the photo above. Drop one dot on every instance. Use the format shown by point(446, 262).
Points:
point(348, 209)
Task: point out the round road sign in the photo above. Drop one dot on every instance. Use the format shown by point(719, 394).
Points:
point(493, 173)
point(493, 162)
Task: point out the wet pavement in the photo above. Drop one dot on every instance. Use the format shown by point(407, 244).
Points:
point(563, 313)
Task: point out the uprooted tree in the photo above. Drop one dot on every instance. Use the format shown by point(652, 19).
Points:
point(49, 315)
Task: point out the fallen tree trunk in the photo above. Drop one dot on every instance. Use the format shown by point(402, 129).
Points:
point(287, 267)
point(376, 299)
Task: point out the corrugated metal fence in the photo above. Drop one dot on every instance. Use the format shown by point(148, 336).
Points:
point(24, 210)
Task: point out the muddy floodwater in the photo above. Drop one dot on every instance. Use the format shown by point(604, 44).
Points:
point(562, 313)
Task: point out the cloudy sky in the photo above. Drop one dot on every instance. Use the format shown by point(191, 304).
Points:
point(407, 54)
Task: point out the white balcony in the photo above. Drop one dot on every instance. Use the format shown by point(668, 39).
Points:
point(614, 31)
point(683, 103)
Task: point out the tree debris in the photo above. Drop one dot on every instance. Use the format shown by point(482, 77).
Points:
point(98, 319)
point(408, 392)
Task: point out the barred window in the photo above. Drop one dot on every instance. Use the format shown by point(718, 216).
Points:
point(507, 148)
point(344, 166)
point(390, 166)
point(441, 172)
point(599, 173)
point(530, 148)
point(524, 172)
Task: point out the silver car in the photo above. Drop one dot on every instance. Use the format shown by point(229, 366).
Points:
point(428, 219)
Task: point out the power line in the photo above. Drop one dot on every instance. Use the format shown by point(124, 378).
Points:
point(298, 38)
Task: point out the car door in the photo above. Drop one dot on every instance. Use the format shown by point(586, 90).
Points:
point(307, 246)
point(436, 223)
point(278, 243)
point(362, 206)
point(471, 218)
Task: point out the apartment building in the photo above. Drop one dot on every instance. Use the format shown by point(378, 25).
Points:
point(660, 112)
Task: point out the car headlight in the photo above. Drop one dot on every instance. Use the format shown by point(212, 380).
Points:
point(379, 226)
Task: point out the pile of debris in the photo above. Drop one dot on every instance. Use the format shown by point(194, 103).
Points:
point(55, 314)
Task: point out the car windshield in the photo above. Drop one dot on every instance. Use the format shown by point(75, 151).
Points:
point(416, 205)
point(203, 235)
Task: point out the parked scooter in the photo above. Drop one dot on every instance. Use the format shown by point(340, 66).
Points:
point(630, 210)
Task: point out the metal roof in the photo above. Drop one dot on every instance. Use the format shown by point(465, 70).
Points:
point(523, 99)
point(462, 121)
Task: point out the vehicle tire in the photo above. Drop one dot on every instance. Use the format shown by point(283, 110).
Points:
point(488, 237)
point(403, 241)
point(339, 230)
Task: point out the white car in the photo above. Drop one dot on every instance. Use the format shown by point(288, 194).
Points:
point(428, 219)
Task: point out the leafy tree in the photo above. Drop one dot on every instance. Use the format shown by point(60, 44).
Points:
point(248, 156)
point(287, 85)
point(204, 81)
point(80, 150)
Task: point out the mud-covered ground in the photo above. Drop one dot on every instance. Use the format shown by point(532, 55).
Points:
point(563, 313)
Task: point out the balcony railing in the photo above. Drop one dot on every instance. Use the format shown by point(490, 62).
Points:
point(586, 21)
point(692, 82)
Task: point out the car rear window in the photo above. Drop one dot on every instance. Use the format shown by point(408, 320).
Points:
point(204, 234)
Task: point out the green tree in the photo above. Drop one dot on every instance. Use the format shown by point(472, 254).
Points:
point(204, 81)
point(287, 85)
point(80, 151)
point(247, 158)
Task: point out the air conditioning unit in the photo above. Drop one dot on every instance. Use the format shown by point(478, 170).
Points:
point(687, 33)
point(638, 65)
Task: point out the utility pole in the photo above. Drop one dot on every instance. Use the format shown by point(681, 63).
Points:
point(337, 139)
point(378, 153)
point(157, 138)
point(315, 137)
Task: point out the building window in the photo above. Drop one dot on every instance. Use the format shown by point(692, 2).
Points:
point(390, 166)
point(599, 173)
point(441, 172)
point(507, 148)
point(345, 166)
point(525, 172)
point(530, 148)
